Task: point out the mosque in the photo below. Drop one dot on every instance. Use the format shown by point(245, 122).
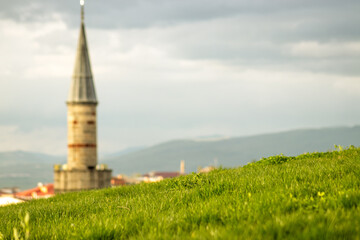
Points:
point(81, 171)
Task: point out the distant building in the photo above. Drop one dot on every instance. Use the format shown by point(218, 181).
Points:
point(7, 196)
point(119, 180)
point(158, 176)
point(12, 195)
point(81, 171)
point(162, 174)
point(9, 191)
point(147, 179)
point(41, 191)
point(182, 167)
point(7, 200)
point(155, 176)
point(206, 169)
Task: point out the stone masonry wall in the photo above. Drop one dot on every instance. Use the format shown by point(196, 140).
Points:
point(82, 144)
point(76, 180)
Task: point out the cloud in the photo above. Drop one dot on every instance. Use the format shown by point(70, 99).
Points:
point(325, 50)
point(178, 69)
point(46, 140)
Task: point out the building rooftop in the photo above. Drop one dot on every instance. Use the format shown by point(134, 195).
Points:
point(41, 191)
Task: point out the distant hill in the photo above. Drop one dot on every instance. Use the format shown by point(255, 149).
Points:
point(231, 152)
point(123, 152)
point(25, 169)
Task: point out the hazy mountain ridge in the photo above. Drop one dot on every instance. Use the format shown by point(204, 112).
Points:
point(25, 169)
point(123, 152)
point(234, 151)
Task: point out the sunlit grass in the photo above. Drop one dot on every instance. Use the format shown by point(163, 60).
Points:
point(311, 196)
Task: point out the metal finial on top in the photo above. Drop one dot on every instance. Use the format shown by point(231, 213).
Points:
point(82, 3)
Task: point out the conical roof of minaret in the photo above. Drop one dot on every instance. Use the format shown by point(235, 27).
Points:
point(82, 88)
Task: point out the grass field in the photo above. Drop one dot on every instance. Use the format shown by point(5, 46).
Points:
point(311, 196)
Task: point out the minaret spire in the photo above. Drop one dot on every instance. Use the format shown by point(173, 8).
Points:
point(82, 88)
point(82, 3)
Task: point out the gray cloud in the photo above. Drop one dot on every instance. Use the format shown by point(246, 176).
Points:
point(143, 13)
point(239, 32)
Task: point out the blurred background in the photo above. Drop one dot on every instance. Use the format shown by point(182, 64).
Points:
point(192, 69)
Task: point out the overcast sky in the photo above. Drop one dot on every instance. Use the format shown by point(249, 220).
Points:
point(170, 69)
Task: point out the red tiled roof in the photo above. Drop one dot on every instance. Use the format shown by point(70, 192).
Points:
point(117, 181)
point(44, 190)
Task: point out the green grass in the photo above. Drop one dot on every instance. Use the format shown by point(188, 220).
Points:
point(312, 196)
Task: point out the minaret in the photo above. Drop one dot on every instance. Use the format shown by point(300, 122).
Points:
point(81, 103)
point(81, 171)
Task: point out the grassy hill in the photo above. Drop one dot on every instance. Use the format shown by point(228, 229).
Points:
point(312, 196)
point(232, 152)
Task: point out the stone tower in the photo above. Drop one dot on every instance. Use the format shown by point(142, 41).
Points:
point(81, 171)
